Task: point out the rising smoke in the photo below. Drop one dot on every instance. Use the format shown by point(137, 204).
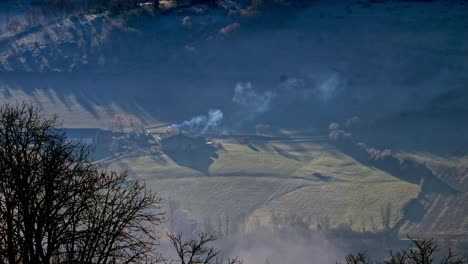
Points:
point(250, 102)
point(202, 123)
point(321, 86)
point(295, 88)
point(328, 88)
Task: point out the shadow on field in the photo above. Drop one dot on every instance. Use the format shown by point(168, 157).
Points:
point(285, 153)
point(252, 147)
point(199, 159)
point(322, 177)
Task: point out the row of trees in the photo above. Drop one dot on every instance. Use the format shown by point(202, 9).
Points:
point(422, 251)
point(57, 207)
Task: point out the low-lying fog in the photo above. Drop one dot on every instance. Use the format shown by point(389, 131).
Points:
point(400, 67)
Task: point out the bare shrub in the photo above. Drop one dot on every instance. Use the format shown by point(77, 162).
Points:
point(56, 207)
point(422, 251)
point(197, 251)
point(385, 216)
point(261, 129)
point(358, 258)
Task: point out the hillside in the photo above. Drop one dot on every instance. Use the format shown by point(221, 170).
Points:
point(399, 67)
point(318, 61)
point(298, 176)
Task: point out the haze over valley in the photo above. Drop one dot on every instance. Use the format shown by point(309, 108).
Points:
point(295, 131)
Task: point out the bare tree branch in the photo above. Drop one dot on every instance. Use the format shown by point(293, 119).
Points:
point(56, 207)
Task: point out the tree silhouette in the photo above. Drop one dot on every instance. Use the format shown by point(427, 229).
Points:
point(422, 251)
point(56, 207)
point(197, 251)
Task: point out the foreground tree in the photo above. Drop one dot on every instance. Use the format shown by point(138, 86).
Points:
point(56, 207)
point(197, 251)
point(423, 251)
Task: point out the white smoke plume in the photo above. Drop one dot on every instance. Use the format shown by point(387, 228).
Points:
point(202, 123)
point(252, 103)
point(328, 88)
point(323, 86)
point(293, 89)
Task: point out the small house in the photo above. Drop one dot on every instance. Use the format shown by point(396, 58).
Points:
point(182, 142)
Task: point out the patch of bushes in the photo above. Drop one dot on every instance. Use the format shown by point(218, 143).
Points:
point(422, 251)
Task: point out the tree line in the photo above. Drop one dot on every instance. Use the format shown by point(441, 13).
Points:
point(56, 206)
point(422, 251)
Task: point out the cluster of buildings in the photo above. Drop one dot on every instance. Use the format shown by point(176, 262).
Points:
point(173, 140)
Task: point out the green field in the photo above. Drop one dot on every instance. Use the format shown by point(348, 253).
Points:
point(251, 181)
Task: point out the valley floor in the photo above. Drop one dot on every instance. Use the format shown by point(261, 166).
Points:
point(257, 180)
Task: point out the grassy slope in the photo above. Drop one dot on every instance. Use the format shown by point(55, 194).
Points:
point(445, 214)
point(282, 177)
point(277, 176)
point(437, 139)
point(72, 112)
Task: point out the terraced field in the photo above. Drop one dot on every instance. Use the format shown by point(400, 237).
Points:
point(251, 181)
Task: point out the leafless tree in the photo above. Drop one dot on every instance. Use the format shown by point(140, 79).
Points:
point(385, 215)
point(120, 123)
point(323, 223)
point(261, 128)
point(227, 222)
point(197, 251)
point(373, 226)
point(56, 207)
point(422, 251)
point(399, 257)
point(208, 226)
point(173, 211)
point(220, 226)
point(454, 258)
point(223, 225)
point(358, 258)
